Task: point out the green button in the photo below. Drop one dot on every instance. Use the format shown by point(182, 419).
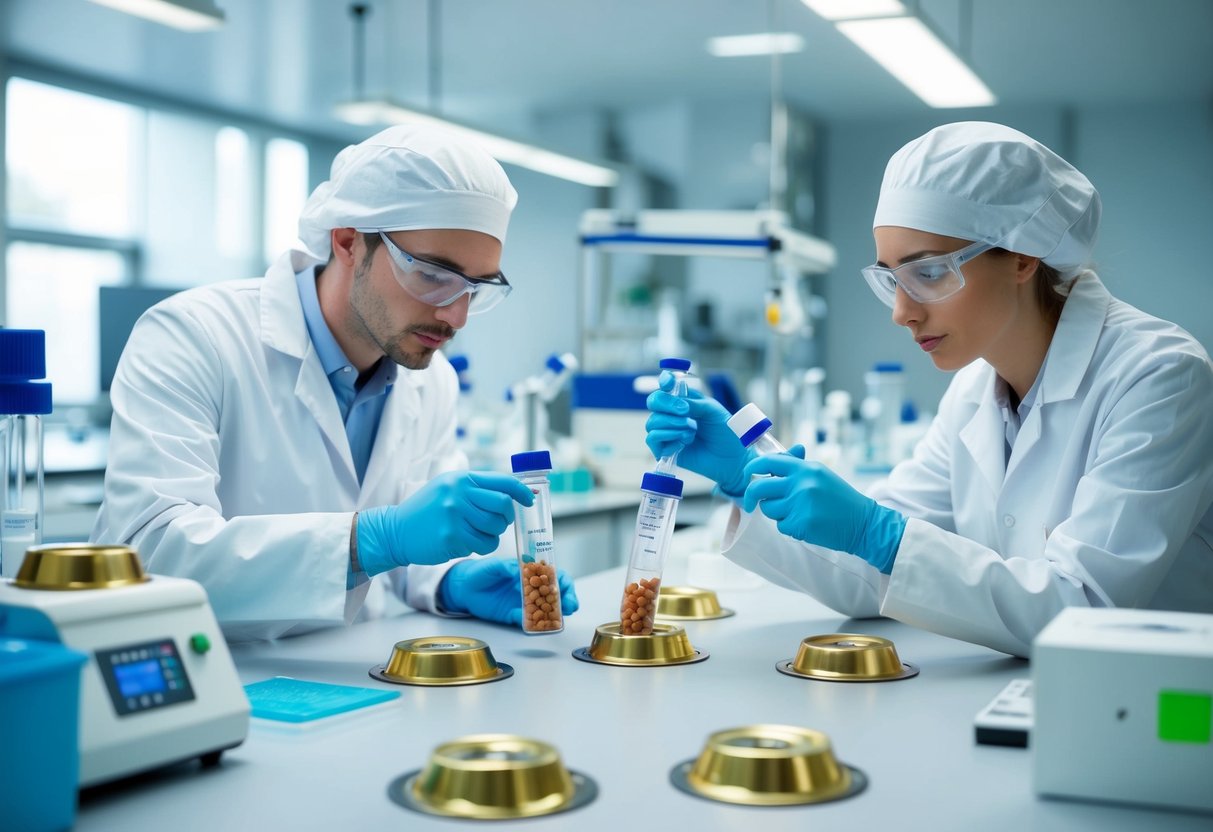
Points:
point(1185, 716)
point(200, 643)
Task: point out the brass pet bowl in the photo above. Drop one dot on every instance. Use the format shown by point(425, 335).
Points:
point(79, 566)
point(768, 765)
point(441, 660)
point(493, 777)
point(847, 657)
point(689, 603)
point(667, 645)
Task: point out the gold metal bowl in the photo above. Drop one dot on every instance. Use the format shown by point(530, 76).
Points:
point(493, 777)
point(667, 644)
point(441, 660)
point(689, 603)
point(67, 566)
point(847, 657)
point(768, 765)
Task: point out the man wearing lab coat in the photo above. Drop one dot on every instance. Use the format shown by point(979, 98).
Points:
point(283, 440)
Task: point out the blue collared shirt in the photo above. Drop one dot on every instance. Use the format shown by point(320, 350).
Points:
point(361, 407)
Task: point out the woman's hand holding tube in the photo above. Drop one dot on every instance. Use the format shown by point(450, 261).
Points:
point(696, 428)
point(811, 503)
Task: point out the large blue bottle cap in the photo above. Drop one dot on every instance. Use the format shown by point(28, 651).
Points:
point(459, 362)
point(25, 397)
point(662, 484)
point(888, 367)
point(22, 354)
point(681, 364)
point(554, 363)
point(531, 461)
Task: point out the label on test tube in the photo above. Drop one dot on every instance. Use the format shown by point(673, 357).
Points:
point(538, 536)
point(18, 532)
point(650, 523)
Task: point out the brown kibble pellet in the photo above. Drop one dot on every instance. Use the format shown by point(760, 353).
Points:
point(639, 606)
point(541, 598)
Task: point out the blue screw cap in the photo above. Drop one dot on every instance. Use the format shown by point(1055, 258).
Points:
point(662, 484)
point(681, 364)
point(22, 354)
point(531, 461)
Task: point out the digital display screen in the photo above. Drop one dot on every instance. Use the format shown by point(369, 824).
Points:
point(139, 678)
point(143, 677)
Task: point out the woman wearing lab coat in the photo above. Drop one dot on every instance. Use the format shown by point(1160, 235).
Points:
point(1071, 462)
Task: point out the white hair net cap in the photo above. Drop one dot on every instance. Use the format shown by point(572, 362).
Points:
point(406, 178)
point(986, 182)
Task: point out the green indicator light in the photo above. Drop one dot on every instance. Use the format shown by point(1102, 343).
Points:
point(200, 643)
point(1184, 716)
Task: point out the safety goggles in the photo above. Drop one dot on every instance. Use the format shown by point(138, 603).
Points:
point(441, 286)
point(928, 280)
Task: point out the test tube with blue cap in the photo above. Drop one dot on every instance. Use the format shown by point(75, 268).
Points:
point(654, 526)
point(23, 402)
point(680, 368)
point(541, 612)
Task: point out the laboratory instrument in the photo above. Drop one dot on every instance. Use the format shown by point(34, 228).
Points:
point(765, 236)
point(753, 430)
point(650, 544)
point(768, 765)
point(493, 777)
point(439, 661)
point(1007, 720)
point(541, 611)
point(159, 685)
point(847, 657)
point(23, 402)
point(526, 426)
point(667, 645)
point(680, 368)
point(1123, 704)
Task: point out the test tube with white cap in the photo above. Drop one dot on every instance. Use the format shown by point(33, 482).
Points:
point(681, 370)
point(753, 430)
point(654, 526)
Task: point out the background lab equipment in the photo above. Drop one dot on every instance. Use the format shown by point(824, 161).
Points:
point(159, 685)
point(1123, 704)
point(23, 401)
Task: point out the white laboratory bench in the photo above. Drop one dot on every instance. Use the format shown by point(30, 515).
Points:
point(625, 728)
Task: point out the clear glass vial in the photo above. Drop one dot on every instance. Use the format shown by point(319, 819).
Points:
point(646, 563)
point(541, 611)
point(23, 402)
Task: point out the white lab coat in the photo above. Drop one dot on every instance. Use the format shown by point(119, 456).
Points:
point(1105, 500)
point(229, 463)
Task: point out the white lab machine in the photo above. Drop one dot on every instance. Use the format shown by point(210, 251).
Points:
point(159, 686)
point(1123, 703)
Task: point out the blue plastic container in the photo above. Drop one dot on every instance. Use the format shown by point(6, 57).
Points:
point(39, 754)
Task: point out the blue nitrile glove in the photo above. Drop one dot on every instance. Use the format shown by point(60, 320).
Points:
point(696, 428)
point(454, 515)
point(811, 503)
point(489, 588)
